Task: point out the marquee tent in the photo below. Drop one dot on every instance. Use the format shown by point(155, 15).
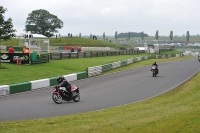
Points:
point(34, 35)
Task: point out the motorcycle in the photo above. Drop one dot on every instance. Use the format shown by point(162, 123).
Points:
point(154, 70)
point(60, 94)
point(199, 57)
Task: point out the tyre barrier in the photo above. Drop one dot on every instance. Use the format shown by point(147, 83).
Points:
point(96, 70)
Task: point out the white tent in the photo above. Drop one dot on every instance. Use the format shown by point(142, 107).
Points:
point(34, 35)
point(38, 36)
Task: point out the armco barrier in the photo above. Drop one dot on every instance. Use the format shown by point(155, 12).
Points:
point(20, 87)
point(64, 55)
point(39, 83)
point(71, 77)
point(81, 75)
point(53, 81)
point(31, 85)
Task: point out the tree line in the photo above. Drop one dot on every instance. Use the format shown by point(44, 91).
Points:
point(143, 35)
point(131, 34)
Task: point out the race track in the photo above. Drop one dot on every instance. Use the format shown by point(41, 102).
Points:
point(99, 92)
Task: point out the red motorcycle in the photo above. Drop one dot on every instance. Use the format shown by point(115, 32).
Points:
point(61, 94)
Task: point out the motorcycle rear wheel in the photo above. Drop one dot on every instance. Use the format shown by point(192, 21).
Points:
point(57, 98)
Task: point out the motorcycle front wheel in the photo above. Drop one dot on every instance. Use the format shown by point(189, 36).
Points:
point(76, 98)
point(154, 73)
point(57, 98)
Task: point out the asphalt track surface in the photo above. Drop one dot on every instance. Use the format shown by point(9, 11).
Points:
point(99, 92)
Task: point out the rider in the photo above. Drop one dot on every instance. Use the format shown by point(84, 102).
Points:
point(62, 82)
point(156, 67)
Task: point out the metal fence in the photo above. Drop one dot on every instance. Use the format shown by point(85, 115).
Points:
point(89, 54)
point(64, 55)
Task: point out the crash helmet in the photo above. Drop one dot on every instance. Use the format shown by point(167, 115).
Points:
point(60, 79)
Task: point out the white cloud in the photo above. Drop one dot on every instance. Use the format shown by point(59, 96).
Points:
point(106, 10)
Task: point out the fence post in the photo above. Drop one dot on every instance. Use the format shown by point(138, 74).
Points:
point(70, 55)
point(50, 56)
point(60, 55)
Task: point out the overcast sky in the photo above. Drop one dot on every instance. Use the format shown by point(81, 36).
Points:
point(98, 16)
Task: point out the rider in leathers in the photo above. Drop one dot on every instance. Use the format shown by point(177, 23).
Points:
point(62, 82)
point(156, 67)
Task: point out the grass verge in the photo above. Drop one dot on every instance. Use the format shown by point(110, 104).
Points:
point(175, 111)
point(23, 73)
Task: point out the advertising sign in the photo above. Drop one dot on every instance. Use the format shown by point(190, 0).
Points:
point(13, 57)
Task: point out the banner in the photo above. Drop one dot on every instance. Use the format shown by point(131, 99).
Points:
point(13, 57)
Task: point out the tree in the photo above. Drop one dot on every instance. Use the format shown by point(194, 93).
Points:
point(156, 35)
point(188, 36)
point(90, 36)
point(116, 35)
point(171, 35)
point(104, 36)
point(129, 35)
point(80, 35)
point(142, 35)
point(42, 22)
point(6, 28)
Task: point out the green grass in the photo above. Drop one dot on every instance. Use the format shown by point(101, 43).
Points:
point(83, 42)
point(23, 73)
point(170, 52)
point(174, 112)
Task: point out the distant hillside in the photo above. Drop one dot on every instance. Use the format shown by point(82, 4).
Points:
point(75, 41)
